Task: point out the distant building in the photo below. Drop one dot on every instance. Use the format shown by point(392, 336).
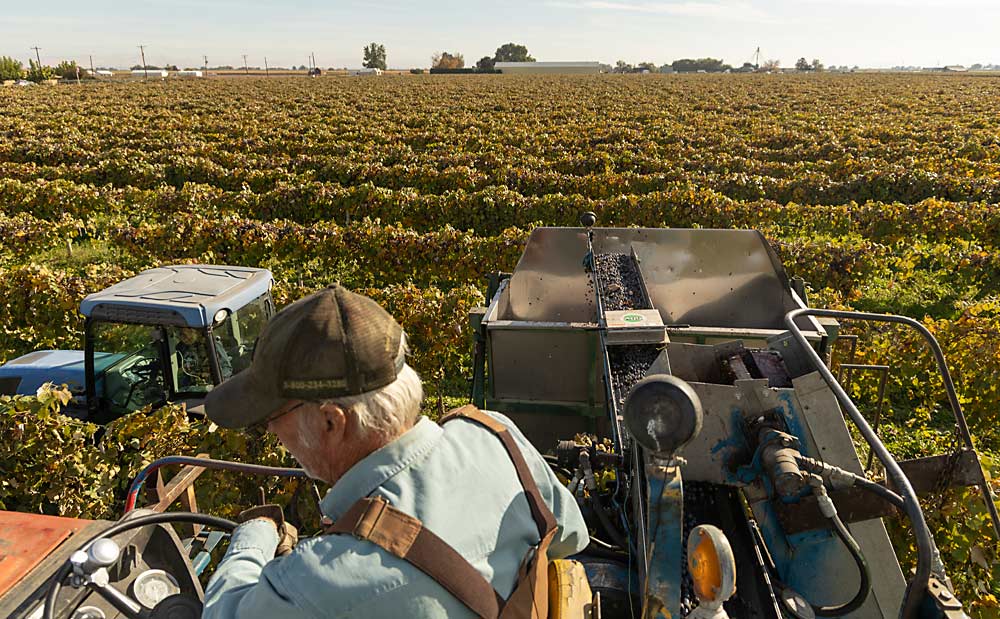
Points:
point(365, 71)
point(955, 68)
point(524, 68)
point(190, 73)
point(149, 72)
point(101, 73)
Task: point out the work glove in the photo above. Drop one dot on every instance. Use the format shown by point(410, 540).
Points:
point(288, 535)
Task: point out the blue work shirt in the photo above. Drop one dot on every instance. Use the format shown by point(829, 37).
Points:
point(457, 479)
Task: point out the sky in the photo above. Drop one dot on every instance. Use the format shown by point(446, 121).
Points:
point(868, 33)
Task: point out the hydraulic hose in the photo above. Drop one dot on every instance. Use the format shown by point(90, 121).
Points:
point(829, 510)
point(127, 524)
point(837, 477)
point(881, 491)
point(866, 585)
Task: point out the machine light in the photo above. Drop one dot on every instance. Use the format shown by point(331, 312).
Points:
point(663, 413)
point(220, 316)
point(712, 568)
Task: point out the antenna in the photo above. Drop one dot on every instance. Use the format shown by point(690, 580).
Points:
point(142, 53)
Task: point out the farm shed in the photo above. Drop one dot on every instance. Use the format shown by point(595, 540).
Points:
point(149, 72)
point(521, 68)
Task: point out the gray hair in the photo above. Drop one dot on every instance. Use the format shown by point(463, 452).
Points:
point(388, 411)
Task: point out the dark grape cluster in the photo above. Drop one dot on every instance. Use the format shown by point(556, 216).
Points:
point(621, 283)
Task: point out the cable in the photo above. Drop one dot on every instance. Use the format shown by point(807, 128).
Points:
point(609, 528)
point(127, 525)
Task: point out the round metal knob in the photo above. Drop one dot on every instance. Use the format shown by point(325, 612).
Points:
point(588, 219)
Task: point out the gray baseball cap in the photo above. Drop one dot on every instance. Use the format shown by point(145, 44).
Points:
point(330, 344)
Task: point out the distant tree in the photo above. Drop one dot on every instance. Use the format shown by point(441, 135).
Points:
point(68, 69)
point(709, 65)
point(374, 56)
point(512, 52)
point(39, 73)
point(665, 68)
point(10, 69)
point(803, 65)
point(444, 60)
point(485, 63)
point(648, 66)
point(622, 67)
point(817, 65)
point(771, 65)
point(976, 67)
point(748, 67)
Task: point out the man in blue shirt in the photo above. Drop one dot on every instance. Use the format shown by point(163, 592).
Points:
point(426, 517)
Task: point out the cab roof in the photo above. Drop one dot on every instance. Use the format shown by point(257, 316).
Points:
point(186, 295)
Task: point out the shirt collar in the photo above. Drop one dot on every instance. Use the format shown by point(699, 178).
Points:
point(379, 466)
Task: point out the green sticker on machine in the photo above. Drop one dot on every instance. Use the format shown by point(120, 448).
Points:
point(633, 318)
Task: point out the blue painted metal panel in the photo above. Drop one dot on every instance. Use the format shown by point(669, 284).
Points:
point(800, 557)
point(662, 598)
point(194, 291)
point(56, 366)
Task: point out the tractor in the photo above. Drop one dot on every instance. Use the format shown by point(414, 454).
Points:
point(678, 383)
point(168, 334)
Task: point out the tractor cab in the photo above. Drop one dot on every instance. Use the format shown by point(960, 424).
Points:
point(169, 334)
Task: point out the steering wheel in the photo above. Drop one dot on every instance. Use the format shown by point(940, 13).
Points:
point(145, 372)
point(87, 567)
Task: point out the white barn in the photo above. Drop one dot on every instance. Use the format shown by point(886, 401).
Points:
point(149, 72)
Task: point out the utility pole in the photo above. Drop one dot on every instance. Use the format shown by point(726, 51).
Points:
point(38, 58)
point(756, 59)
point(312, 56)
point(246, 71)
point(93, 73)
point(206, 64)
point(267, 72)
point(142, 53)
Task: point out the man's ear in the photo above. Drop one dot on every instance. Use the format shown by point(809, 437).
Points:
point(335, 420)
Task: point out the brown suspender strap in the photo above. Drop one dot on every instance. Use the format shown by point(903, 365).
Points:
point(374, 520)
point(396, 532)
point(544, 519)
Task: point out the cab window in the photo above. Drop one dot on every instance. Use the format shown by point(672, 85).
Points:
point(133, 375)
